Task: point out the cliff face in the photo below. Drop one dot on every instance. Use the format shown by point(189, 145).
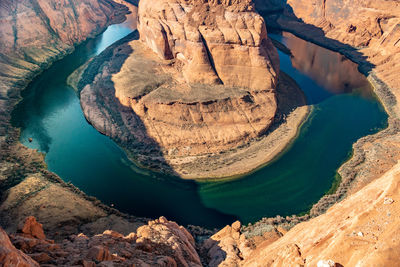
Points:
point(358, 23)
point(33, 34)
point(362, 230)
point(214, 88)
point(216, 43)
point(159, 243)
point(372, 27)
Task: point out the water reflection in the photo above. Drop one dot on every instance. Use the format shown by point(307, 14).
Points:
point(329, 69)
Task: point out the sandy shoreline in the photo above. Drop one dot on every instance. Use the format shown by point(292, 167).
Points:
point(260, 152)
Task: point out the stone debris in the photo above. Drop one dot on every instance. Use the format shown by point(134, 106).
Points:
point(326, 263)
point(388, 201)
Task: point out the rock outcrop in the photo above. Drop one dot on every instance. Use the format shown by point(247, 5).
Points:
point(214, 93)
point(33, 34)
point(215, 42)
point(10, 256)
point(159, 243)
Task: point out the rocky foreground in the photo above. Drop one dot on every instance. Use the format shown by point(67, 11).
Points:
point(197, 93)
point(362, 230)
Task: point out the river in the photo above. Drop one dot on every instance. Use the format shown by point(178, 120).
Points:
point(344, 110)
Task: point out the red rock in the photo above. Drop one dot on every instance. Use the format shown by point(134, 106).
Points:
point(12, 257)
point(88, 263)
point(113, 233)
point(99, 253)
point(33, 228)
point(41, 257)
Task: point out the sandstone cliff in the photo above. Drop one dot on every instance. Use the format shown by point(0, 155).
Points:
point(33, 34)
point(362, 230)
point(366, 31)
point(214, 91)
point(215, 42)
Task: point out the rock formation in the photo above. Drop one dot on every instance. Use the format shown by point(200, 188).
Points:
point(159, 243)
point(216, 43)
point(33, 34)
point(365, 31)
point(214, 92)
point(362, 230)
point(10, 256)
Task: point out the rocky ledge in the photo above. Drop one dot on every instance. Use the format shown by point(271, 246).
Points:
point(33, 34)
point(362, 230)
point(197, 93)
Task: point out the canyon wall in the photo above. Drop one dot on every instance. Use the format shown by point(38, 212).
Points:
point(33, 34)
point(215, 42)
point(214, 90)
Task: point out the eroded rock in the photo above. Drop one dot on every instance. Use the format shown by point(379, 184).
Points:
point(10, 256)
point(192, 101)
point(159, 243)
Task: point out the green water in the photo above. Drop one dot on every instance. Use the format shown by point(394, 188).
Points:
point(50, 113)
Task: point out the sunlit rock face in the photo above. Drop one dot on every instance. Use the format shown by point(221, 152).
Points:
point(33, 34)
point(329, 69)
point(216, 43)
point(370, 26)
point(213, 90)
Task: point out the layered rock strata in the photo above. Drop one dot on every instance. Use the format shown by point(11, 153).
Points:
point(33, 34)
point(215, 42)
point(200, 84)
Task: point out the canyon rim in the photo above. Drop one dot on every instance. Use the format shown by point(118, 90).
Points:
point(185, 43)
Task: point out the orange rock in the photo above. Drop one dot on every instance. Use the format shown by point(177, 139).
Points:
point(113, 233)
point(33, 228)
point(174, 240)
point(236, 226)
point(10, 256)
point(41, 257)
point(86, 263)
point(216, 42)
point(99, 253)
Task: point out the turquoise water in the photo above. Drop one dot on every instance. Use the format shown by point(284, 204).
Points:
point(344, 111)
